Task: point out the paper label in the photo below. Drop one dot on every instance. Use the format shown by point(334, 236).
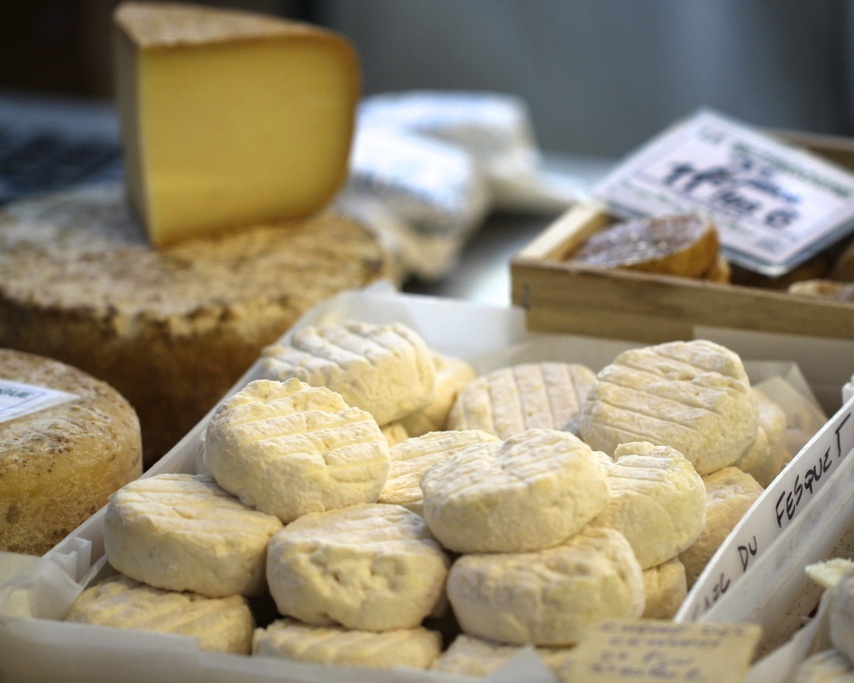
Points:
point(650, 651)
point(784, 499)
point(17, 399)
point(774, 205)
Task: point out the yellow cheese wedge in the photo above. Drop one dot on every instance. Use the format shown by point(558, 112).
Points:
point(229, 117)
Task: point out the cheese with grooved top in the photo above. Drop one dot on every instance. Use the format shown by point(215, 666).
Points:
point(229, 117)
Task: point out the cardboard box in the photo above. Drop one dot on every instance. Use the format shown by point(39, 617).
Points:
point(36, 646)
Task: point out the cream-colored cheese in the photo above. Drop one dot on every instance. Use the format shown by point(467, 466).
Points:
point(729, 494)
point(767, 456)
point(410, 459)
point(470, 656)
point(528, 492)
point(288, 449)
point(666, 588)
point(370, 567)
point(693, 396)
point(230, 117)
point(182, 532)
point(509, 400)
point(219, 624)
point(657, 501)
point(414, 647)
point(386, 370)
point(452, 374)
point(549, 597)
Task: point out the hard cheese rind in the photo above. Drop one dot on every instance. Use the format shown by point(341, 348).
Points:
point(230, 117)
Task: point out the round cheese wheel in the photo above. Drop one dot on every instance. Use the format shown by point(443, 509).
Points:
point(59, 465)
point(173, 328)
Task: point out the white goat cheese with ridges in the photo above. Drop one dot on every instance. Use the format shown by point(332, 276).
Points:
point(528, 492)
point(288, 449)
point(386, 370)
point(548, 597)
point(370, 567)
point(657, 501)
point(182, 532)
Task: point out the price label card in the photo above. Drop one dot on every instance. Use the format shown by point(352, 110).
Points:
point(647, 651)
point(17, 399)
point(774, 205)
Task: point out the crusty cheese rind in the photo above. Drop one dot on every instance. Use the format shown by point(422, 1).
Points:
point(58, 466)
point(287, 638)
point(729, 494)
point(693, 396)
point(220, 624)
point(368, 567)
point(288, 449)
point(527, 492)
point(657, 501)
point(386, 370)
point(507, 401)
point(841, 615)
point(766, 457)
point(410, 459)
point(827, 666)
point(182, 532)
point(549, 597)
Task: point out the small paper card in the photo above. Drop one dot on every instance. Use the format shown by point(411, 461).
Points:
point(775, 205)
point(17, 399)
point(649, 651)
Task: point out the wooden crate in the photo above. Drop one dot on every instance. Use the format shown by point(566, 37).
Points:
point(559, 296)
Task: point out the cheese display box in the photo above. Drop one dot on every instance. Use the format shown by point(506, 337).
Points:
point(561, 296)
point(36, 592)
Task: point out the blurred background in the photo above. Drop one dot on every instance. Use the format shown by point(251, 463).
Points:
point(599, 76)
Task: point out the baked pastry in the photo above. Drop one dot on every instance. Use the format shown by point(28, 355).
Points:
point(219, 624)
point(386, 370)
point(657, 501)
point(551, 596)
point(290, 639)
point(182, 532)
point(507, 401)
point(410, 459)
point(528, 492)
point(80, 283)
point(366, 567)
point(729, 494)
point(665, 587)
point(59, 465)
point(681, 244)
point(693, 396)
point(288, 449)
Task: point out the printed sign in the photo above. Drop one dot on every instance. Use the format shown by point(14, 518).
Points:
point(17, 399)
point(774, 205)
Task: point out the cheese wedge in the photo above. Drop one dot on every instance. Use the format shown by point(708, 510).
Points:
point(229, 117)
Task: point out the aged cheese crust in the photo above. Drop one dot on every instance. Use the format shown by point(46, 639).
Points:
point(58, 466)
point(80, 283)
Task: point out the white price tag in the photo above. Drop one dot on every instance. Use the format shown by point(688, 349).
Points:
point(774, 205)
point(17, 399)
